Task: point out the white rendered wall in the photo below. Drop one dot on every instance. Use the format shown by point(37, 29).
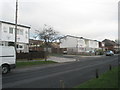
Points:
point(0, 31)
point(81, 43)
point(93, 44)
point(74, 44)
point(6, 36)
point(68, 42)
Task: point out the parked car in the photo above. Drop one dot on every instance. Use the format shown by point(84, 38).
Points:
point(87, 51)
point(7, 58)
point(92, 51)
point(109, 53)
point(64, 52)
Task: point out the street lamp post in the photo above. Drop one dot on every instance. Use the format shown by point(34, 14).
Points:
point(16, 17)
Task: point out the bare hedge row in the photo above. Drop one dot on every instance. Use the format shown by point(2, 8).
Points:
point(31, 55)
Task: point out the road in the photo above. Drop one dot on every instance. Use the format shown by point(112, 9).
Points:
point(49, 76)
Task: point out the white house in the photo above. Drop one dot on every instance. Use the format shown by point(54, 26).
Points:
point(78, 44)
point(7, 35)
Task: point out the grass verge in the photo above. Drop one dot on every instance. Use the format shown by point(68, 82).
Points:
point(33, 63)
point(106, 80)
point(32, 59)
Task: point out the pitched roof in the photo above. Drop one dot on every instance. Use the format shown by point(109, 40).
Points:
point(109, 42)
point(78, 37)
point(31, 41)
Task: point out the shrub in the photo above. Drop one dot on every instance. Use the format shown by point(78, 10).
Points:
point(100, 52)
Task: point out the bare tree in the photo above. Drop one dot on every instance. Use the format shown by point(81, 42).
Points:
point(48, 35)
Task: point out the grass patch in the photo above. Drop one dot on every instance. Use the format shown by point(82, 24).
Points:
point(106, 80)
point(33, 63)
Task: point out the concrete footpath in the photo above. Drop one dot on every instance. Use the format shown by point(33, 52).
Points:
point(71, 58)
point(60, 59)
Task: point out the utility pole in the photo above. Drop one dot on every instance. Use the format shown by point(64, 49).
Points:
point(16, 17)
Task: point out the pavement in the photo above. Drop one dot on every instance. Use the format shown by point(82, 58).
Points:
point(61, 59)
point(70, 58)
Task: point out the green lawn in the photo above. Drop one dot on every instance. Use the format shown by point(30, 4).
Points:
point(32, 63)
point(32, 59)
point(106, 80)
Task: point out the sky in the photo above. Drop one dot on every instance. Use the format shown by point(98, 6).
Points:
point(92, 19)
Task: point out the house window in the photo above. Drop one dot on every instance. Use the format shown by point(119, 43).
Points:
point(17, 45)
point(10, 30)
point(21, 32)
point(18, 31)
point(20, 46)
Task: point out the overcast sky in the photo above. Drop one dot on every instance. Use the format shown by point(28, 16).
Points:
point(93, 19)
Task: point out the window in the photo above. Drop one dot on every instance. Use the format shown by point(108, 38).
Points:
point(17, 45)
point(10, 30)
point(18, 31)
point(20, 47)
point(21, 32)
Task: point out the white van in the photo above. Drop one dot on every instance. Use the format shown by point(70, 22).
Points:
point(7, 58)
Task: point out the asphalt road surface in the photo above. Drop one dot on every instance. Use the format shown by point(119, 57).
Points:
point(49, 76)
